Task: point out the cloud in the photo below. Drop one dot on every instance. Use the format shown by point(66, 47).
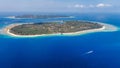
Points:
point(100, 5)
point(79, 6)
point(103, 5)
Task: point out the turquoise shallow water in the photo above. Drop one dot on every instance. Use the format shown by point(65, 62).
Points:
point(94, 50)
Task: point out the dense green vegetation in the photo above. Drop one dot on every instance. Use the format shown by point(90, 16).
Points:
point(53, 27)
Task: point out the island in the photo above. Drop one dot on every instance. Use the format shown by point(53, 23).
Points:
point(40, 16)
point(61, 28)
point(47, 28)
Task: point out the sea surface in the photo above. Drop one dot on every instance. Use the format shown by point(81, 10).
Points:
point(93, 50)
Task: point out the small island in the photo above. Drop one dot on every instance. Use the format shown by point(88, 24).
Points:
point(67, 28)
point(49, 28)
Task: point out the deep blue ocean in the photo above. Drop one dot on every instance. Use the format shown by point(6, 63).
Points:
point(93, 50)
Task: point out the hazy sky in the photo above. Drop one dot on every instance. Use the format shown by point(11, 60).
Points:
point(59, 5)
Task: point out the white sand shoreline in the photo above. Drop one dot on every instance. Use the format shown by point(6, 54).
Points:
point(105, 28)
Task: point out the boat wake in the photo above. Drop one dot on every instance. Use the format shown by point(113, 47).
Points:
point(88, 52)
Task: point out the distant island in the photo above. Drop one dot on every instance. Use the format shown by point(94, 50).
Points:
point(40, 16)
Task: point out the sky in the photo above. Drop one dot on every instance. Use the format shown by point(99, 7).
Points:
point(59, 5)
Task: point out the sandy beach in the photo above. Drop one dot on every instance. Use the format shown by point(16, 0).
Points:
point(105, 28)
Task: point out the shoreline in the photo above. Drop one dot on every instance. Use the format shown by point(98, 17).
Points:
point(105, 28)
